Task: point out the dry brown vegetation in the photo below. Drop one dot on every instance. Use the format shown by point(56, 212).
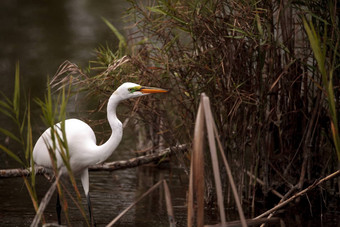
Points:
point(270, 69)
point(273, 86)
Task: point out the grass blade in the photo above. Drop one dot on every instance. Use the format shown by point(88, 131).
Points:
point(9, 134)
point(32, 195)
point(231, 179)
point(11, 154)
point(122, 41)
point(319, 50)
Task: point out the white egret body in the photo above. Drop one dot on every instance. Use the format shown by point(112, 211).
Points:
point(81, 140)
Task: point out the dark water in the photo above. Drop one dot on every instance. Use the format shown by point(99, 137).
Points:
point(111, 193)
point(42, 34)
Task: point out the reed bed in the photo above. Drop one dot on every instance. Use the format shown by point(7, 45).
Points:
point(269, 68)
point(271, 71)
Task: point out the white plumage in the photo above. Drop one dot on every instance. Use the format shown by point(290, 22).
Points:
point(81, 140)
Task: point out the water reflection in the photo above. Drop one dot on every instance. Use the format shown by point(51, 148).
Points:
point(43, 34)
point(111, 193)
point(151, 211)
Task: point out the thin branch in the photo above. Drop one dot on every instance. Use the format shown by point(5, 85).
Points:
point(44, 202)
point(134, 203)
point(316, 183)
point(108, 166)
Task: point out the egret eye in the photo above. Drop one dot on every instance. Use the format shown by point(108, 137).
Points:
point(134, 89)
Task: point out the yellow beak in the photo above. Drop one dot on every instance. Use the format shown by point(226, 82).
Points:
point(149, 90)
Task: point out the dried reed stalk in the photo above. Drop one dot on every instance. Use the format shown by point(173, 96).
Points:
point(169, 207)
point(230, 177)
point(191, 212)
point(196, 178)
point(208, 114)
point(44, 202)
point(197, 168)
point(214, 159)
point(198, 165)
point(255, 58)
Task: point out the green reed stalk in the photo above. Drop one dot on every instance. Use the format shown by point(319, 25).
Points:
point(52, 112)
point(22, 120)
point(319, 47)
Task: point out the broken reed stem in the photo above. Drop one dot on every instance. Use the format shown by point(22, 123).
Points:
point(207, 111)
point(197, 168)
point(134, 203)
point(198, 165)
point(190, 215)
point(231, 180)
point(214, 159)
point(44, 202)
point(169, 208)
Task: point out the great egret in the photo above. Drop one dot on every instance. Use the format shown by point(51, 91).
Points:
point(81, 140)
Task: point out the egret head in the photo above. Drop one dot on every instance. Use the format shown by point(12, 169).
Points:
point(131, 90)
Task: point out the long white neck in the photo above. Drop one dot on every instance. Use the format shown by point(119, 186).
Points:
point(116, 126)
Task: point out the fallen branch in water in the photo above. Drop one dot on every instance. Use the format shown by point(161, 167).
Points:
point(141, 160)
point(6, 173)
point(108, 166)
